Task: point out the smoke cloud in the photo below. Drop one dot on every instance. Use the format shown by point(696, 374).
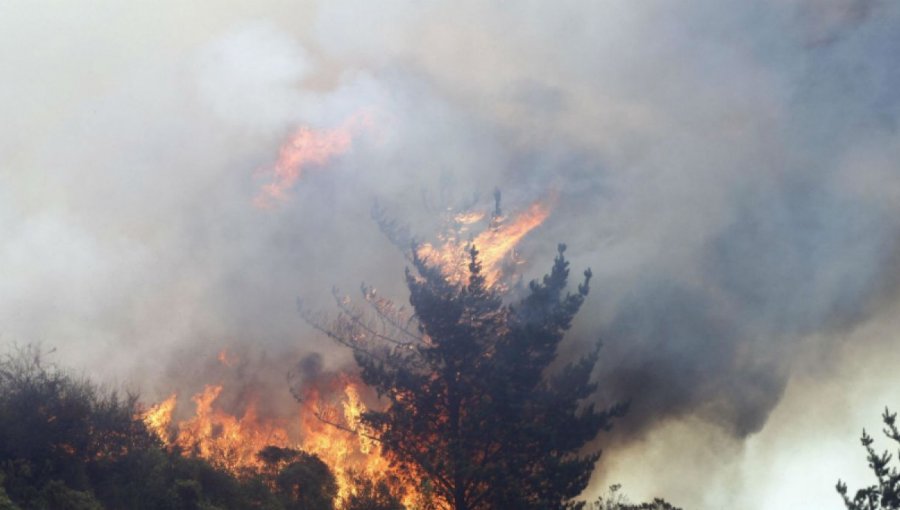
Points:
point(728, 171)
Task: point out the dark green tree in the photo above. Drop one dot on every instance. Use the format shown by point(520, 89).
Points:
point(886, 493)
point(301, 480)
point(473, 404)
point(55, 428)
point(66, 443)
point(372, 495)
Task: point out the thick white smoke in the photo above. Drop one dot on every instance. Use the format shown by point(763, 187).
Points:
point(728, 171)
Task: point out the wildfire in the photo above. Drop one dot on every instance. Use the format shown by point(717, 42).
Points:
point(332, 430)
point(219, 437)
point(224, 439)
point(159, 417)
point(496, 244)
point(307, 148)
point(329, 423)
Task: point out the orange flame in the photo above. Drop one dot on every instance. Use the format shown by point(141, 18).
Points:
point(225, 440)
point(306, 148)
point(233, 442)
point(159, 417)
point(496, 245)
point(222, 439)
point(346, 448)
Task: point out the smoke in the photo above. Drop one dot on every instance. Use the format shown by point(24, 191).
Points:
point(727, 170)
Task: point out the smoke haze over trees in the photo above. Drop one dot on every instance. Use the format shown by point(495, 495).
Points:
point(728, 169)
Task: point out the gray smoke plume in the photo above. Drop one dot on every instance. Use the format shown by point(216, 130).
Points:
point(727, 169)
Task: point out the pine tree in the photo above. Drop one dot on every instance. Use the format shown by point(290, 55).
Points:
point(474, 408)
point(886, 494)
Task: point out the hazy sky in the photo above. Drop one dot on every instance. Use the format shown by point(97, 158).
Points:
point(727, 169)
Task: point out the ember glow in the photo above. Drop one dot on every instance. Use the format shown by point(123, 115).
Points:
point(226, 358)
point(307, 148)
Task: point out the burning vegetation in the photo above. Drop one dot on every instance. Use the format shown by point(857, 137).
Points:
point(452, 404)
point(496, 243)
point(332, 421)
point(326, 425)
point(304, 149)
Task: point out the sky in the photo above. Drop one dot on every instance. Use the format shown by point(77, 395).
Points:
point(726, 169)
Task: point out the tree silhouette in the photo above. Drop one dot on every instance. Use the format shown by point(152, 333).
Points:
point(473, 406)
point(615, 500)
point(372, 495)
point(886, 493)
point(301, 480)
point(68, 444)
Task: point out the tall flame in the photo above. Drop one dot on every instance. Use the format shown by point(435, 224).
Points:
point(346, 448)
point(222, 439)
point(307, 148)
point(329, 421)
point(226, 440)
point(233, 442)
point(159, 417)
point(496, 244)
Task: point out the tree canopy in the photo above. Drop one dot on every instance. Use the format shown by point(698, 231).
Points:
point(477, 406)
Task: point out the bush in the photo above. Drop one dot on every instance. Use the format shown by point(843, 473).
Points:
point(67, 444)
point(615, 500)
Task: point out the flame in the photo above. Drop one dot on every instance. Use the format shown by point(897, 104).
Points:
point(222, 439)
point(226, 440)
point(468, 218)
point(496, 245)
point(159, 417)
point(232, 442)
point(305, 148)
point(347, 447)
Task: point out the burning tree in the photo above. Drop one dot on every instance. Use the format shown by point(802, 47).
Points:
point(474, 411)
